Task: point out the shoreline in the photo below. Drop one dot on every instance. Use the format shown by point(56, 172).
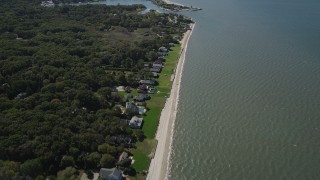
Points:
point(170, 2)
point(159, 165)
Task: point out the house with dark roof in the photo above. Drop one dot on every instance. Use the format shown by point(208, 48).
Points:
point(110, 174)
point(163, 53)
point(172, 44)
point(163, 49)
point(132, 106)
point(142, 97)
point(148, 82)
point(157, 63)
point(136, 122)
point(142, 88)
point(155, 69)
point(161, 58)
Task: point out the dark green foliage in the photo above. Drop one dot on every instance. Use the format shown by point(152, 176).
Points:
point(57, 68)
point(129, 171)
point(31, 167)
point(107, 161)
point(124, 163)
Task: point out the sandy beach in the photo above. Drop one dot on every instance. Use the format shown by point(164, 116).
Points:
point(159, 163)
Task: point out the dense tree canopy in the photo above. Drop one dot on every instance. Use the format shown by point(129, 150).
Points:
point(57, 68)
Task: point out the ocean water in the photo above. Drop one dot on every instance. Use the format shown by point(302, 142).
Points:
point(249, 104)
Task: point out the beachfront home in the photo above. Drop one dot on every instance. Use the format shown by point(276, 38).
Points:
point(172, 44)
point(163, 53)
point(142, 97)
point(161, 58)
point(136, 122)
point(163, 49)
point(155, 69)
point(110, 174)
point(132, 106)
point(157, 63)
point(148, 82)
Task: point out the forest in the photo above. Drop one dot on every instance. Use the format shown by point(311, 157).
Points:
point(57, 69)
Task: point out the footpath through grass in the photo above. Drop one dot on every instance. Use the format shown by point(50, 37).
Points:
point(144, 150)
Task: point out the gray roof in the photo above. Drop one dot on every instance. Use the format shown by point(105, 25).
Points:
point(151, 82)
point(135, 122)
point(142, 97)
point(163, 49)
point(156, 65)
point(110, 174)
point(155, 69)
point(132, 106)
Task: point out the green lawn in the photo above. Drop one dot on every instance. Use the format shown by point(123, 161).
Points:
point(158, 100)
point(141, 161)
point(144, 149)
point(141, 154)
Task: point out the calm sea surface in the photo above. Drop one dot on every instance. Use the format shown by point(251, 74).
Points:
point(250, 99)
point(250, 94)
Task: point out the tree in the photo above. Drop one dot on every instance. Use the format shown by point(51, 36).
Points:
point(138, 134)
point(106, 148)
point(31, 167)
point(125, 163)
point(8, 169)
point(129, 171)
point(69, 173)
point(92, 160)
point(107, 161)
point(89, 173)
point(67, 161)
point(88, 99)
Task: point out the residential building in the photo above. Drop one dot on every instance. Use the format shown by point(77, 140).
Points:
point(136, 122)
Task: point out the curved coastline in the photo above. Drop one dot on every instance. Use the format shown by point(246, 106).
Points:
point(159, 165)
point(170, 2)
